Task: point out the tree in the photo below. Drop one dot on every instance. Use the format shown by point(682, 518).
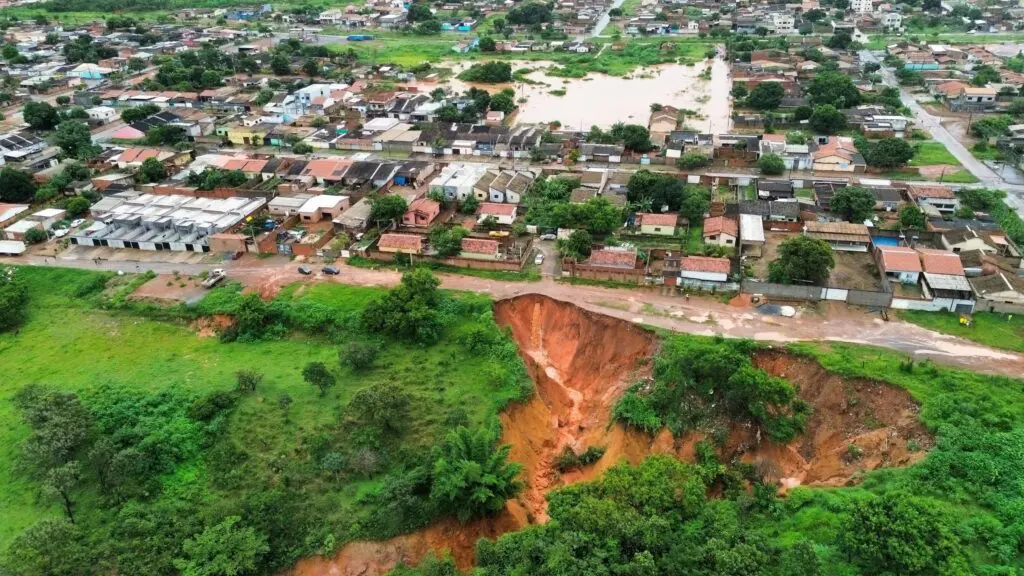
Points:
point(438, 94)
point(660, 190)
point(529, 13)
point(853, 203)
point(152, 170)
point(387, 208)
point(889, 152)
point(60, 427)
point(225, 549)
point(35, 236)
point(814, 15)
point(13, 299)
point(77, 206)
point(447, 242)
point(739, 91)
point(16, 186)
point(833, 88)
point(488, 73)
point(418, 12)
point(382, 407)
point(897, 533)
point(40, 115)
point(248, 380)
point(136, 65)
point(408, 311)
point(840, 41)
point(63, 100)
point(766, 96)
point(47, 548)
point(692, 160)
point(487, 44)
point(796, 137)
point(311, 68)
point(60, 481)
point(469, 205)
point(992, 126)
point(802, 113)
point(471, 477)
point(427, 28)
point(634, 137)
point(911, 217)
point(281, 65)
point(503, 101)
point(577, 246)
point(984, 75)
point(75, 140)
point(827, 120)
point(802, 259)
point(771, 164)
point(317, 374)
point(301, 148)
point(358, 355)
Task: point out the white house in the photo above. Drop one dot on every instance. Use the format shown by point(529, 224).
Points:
point(704, 268)
point(102, 113)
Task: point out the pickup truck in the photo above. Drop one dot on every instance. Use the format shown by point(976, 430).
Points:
point(216, 275)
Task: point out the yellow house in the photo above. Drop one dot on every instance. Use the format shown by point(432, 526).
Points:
point(247, 135)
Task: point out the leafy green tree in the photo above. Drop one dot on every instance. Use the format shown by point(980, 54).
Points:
point(853, 203)
point(833, 88)
point(387, 208)
point(13, 298)
point(658, 189)
point(281, 65)
point(35, 236)
point(75, 140)
point(358, 355)
point(311, 68)
point(840, 41)
point(503, 101)
point(47, 548)
point(889, 152)
point(469, 205)
point(447, 242)
point(827, 120)
point(692, 160)
point(408, 311)
point(897, 533)
point(766, 96)
point(471, 477)
point(771, 164)
point(577, 246)
point(488, 73)
point(317, 374)
point(16, 185)
point(911, 217)
point(59, 426)
point(225, 549)
point(802, 260)
point(136, 113)
point(301, 148)
point(40, 115)
point(248, 380)
point(60, 482)
point(985, 75)
point(739, 92)
point(152, 170)
point(803, 113)
point(419, 11)
point(796, 137)
point(992, 126)
point(77, 206)
point(382, 407)
point(63, 100)
point(487, 44)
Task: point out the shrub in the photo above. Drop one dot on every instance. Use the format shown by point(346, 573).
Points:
point(358, 355)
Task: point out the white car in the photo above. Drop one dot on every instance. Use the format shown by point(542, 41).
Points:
point(539, 259)
point(61, 233)
point(77, 222)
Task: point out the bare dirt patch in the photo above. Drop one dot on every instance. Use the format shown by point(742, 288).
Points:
point(854, 271)
point(169, 287)
point(210, 326)
point(937, 171)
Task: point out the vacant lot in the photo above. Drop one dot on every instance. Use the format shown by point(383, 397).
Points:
point(768, 253)
point(854, 271)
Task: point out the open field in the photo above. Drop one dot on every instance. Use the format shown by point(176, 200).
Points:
point(996, 330)
point(931, 153)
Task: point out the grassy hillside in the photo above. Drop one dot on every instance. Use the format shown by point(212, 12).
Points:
point(284, 445)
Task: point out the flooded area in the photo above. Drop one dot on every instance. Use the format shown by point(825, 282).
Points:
point(601, 100)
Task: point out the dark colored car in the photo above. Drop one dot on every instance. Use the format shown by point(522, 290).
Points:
point(330, 270)
point(305, 270)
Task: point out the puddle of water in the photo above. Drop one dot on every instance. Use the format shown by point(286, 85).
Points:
point(600, 100)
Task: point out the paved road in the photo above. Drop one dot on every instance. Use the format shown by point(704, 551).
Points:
point(603, 21)
point(988, 178)
point(704, 316)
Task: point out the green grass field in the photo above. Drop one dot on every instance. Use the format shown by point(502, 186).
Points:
point(71, 344)
point(995, 330)
point(932, 153)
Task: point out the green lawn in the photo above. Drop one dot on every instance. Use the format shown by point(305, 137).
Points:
point(72, 344)
point(694, 240)
point(807, 193)
point(995, 330)
point(932, 153)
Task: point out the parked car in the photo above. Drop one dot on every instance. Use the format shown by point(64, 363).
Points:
point(77, 222)
point(331, 270)
point(548, 237)
point(61, 233)
point(539, 259)
point(305, 270)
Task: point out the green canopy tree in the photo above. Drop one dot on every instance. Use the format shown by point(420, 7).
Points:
point(152, 170)
point(912, 217)
point(766, 96)
point(471, 477)
point(40, 115)
point(802, 259)
point(853, 203)
point(16, 185)
point(771, 164)
point(224, 549)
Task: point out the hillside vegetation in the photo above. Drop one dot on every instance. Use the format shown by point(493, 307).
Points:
point(131, 445)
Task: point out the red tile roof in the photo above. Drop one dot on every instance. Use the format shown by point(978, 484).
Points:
point(721, 225)
point(403, 242)
point(704, 264)
point(651, 219)
point(925, 191)
point(137, 154)
point(329, 168)
point(480, 246)
point(941, 262)
point(613, 258)
point(899, 259)
point(496, 209)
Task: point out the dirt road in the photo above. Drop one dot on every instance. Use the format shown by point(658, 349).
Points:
point(705, 316)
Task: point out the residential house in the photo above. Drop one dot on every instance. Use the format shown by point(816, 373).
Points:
point(607, 153)
point(842, 236)
point(101, 114)
point(613, 258)
point(999, 288)
point(404, 243)
point(323, 207)
point(661, 124)
point(663, 224)
point(327, 171)
point(704, 269)
point(16, 146)
point(481, 248)
point(775, 189)
point(839, 154)
point(944, 281)
point(940, 198)
point(421, 213)
point(721, 231)
point(975, 98)
point(887, 198)
point(504, 214)
point(899, 263)
point(987, 241)
point(751, 235)
point(772, 210)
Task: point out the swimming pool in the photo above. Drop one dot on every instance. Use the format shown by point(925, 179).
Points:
point(885, 241)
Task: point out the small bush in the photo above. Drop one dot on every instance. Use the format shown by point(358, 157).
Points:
point(570, 460)
point(358, 356)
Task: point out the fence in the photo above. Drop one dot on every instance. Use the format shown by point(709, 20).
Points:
point(818, 293)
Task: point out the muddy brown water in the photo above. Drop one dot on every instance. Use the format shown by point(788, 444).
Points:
point(581, 362)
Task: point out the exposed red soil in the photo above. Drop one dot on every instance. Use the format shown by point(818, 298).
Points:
point(581, 363)
point(169, 287)
point(209, 326)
